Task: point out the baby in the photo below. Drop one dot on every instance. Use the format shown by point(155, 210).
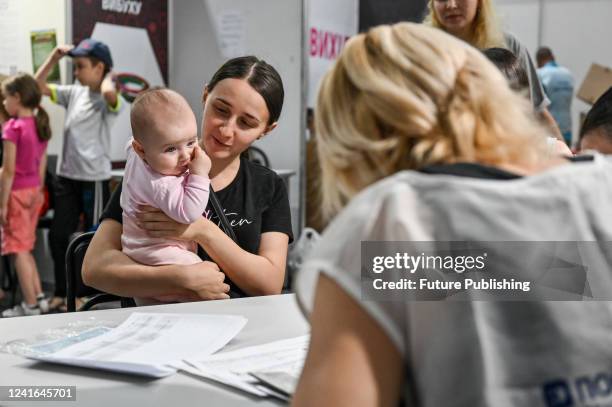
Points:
point(165, 169)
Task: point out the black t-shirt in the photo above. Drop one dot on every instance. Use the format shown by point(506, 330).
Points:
point(473, 170)
point(255, 202)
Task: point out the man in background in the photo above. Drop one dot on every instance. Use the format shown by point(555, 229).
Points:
point(558, 84)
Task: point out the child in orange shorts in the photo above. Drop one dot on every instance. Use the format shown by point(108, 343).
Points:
point(24, 139)
point(4, 117)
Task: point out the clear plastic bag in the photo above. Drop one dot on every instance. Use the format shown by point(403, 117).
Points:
point(54, 339)
point(301, 249)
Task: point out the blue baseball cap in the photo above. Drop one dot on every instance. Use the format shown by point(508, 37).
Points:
point(93, 48)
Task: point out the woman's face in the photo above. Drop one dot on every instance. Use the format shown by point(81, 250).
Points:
point(456, 15)
point(235, 115)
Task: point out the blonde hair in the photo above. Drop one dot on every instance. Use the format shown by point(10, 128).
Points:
point(486, 31)
point(407, 96)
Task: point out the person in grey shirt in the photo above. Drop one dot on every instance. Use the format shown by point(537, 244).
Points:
point(92, 106)
point(442, 150)
point(475, 22)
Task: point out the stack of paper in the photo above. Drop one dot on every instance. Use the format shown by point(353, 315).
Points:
point(146, 344)
point(266, 370)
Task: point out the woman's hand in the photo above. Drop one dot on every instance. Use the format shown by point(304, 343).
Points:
point(158, 224)
point(205, 280)
point(3, 215)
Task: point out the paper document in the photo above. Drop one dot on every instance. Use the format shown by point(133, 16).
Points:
point(280, 362)
point(283, 382)
point(148, 344)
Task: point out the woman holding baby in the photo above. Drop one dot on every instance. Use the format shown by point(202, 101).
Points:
point(241, 104)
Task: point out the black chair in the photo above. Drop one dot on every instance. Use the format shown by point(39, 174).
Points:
point(257, 155)
point(74, 282)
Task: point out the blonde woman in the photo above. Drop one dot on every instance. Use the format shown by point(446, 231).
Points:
point(421, 139)
point(475, 22)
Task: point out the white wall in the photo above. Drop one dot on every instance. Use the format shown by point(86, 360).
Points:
point(37, 15)
point(578, 32)
point(521, 17)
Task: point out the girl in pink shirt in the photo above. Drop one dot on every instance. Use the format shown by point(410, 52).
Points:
point(24, 162)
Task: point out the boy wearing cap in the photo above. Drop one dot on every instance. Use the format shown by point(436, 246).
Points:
point(92, 105)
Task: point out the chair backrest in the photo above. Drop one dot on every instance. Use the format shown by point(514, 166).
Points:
point(74, 263)
point(257, 155)
point(75, 254)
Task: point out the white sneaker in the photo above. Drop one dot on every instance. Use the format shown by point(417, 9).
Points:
point(43, 303)
point(20, 311)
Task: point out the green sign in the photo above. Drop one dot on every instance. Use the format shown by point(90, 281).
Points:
point(43, 43)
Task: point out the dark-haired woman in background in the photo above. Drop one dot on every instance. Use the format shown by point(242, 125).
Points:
point(241, 104)
point(517, 78)
point(596, 131)
point(511, 67)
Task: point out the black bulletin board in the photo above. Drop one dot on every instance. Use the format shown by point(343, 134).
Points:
point(375, 12)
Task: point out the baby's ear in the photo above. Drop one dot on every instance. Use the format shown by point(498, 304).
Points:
point(138, 149)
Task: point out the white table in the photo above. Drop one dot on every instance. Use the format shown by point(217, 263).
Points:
point(269, 318)
point(117, 174)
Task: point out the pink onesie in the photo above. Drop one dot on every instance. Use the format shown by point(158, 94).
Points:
point(183, 198)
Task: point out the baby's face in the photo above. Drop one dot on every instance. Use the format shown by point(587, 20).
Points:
point(169, 149)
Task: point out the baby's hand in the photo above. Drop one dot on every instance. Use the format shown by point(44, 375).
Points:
point(200, 162)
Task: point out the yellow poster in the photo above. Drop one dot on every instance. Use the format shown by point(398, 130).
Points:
point(43, 43)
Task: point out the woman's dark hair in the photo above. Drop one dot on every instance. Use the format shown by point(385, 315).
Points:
point(510, 66)
point(600, 116)
point(260, 75)
point(30, 97)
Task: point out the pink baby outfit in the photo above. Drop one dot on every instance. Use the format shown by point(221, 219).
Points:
point(183, 198)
